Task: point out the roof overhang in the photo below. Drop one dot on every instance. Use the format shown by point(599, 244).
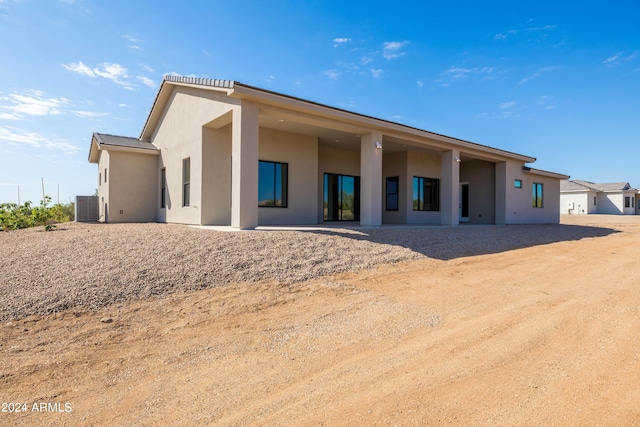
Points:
point(96, 147)
point(540, 172)
point(348, 121)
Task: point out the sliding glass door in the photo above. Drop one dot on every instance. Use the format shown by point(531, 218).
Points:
point(341, 197)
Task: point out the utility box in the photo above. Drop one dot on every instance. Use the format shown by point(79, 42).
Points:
point(86, 208)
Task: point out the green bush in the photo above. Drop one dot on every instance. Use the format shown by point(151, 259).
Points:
point(14, 217)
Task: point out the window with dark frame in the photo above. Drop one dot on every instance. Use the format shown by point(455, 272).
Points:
point(163, 187)
point(186, 182)
point(105, 174)
point(536, 195)
point(627, 202)
point(392, 193)
point(517, 183)
point(272, 184)
point(595, 200)
point(426, 194)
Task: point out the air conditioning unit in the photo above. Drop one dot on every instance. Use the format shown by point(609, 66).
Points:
point(86, 208)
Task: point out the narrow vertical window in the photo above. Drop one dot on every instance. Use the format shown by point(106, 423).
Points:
point(99, 179)
point(595, 200)
point(426, 194)
point(186, 181)
point(163, 187)
point(392, 193)
point(105, 174)
point(272, 184)
point(537, 195)
point(627, 202)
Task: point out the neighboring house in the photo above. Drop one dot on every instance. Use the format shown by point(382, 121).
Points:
point(584, 197)
point(222, 152)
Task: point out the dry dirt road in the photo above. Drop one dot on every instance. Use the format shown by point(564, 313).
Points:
point(541, 335)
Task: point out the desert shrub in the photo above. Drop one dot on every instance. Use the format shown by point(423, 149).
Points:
point(14, 217)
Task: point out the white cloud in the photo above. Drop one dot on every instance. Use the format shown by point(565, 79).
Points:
point(455, 73)
point(391, 50)
point(366, 60)
point(537, 74)
point(376, 73)
point(332, 74)
point(110, 71)
point(31, 103)
point(122, 105)
point(89, 114)
point(619, 58)
point(134, 42)
point(13, 136)
point(148, 68)
point(147, 81)
point(506, 34)
point(340, 40)
point(506, 105)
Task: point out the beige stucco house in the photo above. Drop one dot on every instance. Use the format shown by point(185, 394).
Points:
point(584, 197)
point(219, 152)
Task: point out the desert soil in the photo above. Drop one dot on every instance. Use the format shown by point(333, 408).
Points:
point(152, 324)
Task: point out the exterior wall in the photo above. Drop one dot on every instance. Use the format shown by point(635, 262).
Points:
point(103, 187)
point(610, 203)
point(518, 201)
point(426, 166)
point(300, 152)
point(180, 135)
point(577, 203)
point(395, 164)
point(631, 210)
point(338, 161)
point(133, 180)
point(216, 176)
point(481, 177)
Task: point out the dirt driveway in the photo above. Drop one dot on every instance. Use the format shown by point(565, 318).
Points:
point(540, 335)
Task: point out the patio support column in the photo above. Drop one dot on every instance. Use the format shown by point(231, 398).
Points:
point(371, 180)
point(501, 193)
point(244, 167)
point(450, 188)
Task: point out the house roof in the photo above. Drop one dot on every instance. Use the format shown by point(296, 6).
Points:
point(607, 187)
point(544, 173)
point(105, 141)
point(235, 89)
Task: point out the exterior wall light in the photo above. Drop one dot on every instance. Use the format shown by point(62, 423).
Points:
point(379, 145)
point(458, 159)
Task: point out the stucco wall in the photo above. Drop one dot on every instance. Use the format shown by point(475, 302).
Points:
point(395, 164)
point(482, 186)
point(216, 176)
point(425, 166)
point(300, 152)
point(519, 200)
point(179, 135)
point(576, 203)
point(103, 187)
point(133, 179)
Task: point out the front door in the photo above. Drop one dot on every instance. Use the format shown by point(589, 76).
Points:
point(464, 202)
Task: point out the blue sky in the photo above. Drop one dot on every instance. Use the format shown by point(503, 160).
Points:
point(559, 81)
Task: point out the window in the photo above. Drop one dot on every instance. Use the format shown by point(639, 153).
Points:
point(537, 195)
point(105, 174)
point(426, 194)
point(99, 179)
point(517, 183)
point(595, 200)
point(272, 184)
point(163, 187)
point(627, 202)
point(392, 193)
point(186, 181)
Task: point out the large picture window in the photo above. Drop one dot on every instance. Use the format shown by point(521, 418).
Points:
point(537, 195)
point(426, 194)
point(272, 184)
point(392, 193)
point(186, 181)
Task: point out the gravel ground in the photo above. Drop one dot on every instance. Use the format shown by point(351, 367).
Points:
point(88, 266)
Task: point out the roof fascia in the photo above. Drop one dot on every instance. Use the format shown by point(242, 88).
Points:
point(541, 172)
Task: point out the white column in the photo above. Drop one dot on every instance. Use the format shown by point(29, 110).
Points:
point(450, 188)
point(371, 180)
point(244, 167)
